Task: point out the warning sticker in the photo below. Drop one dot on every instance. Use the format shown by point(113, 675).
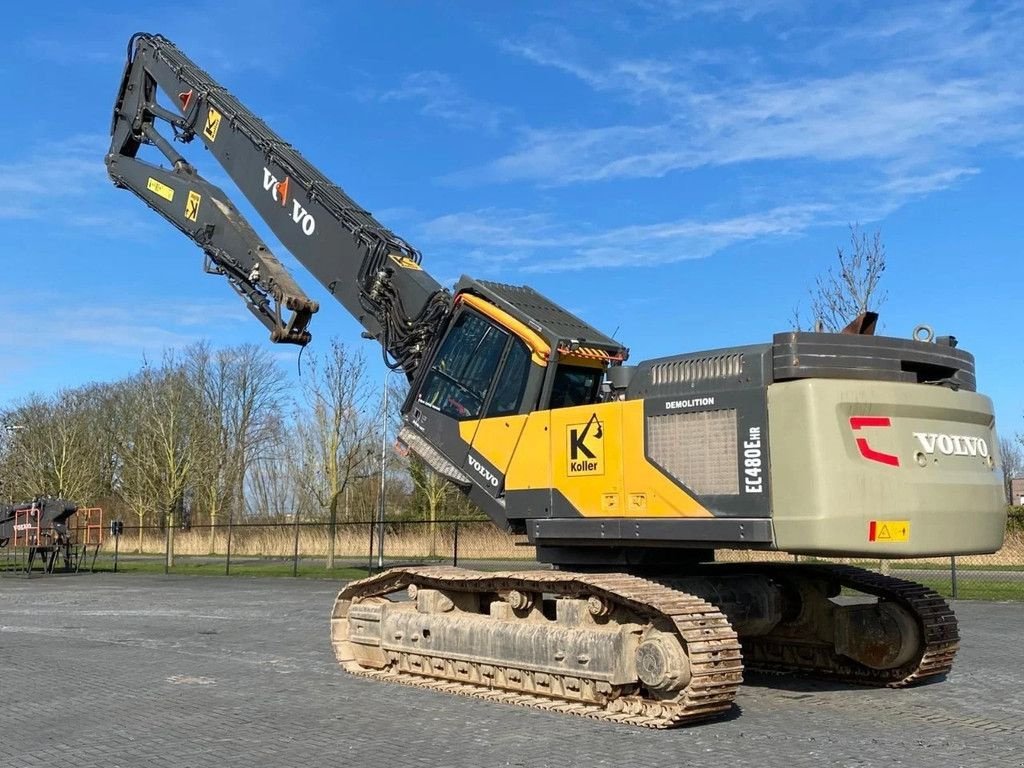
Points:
point(192, 205)
point(889, 530)
point(212, 124)
point(404, 261)
point(585, 448)
point(154, 186)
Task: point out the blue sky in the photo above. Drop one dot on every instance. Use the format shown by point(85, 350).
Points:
point(674, 172)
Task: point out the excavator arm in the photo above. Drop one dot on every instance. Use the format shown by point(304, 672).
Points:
point(372, 272)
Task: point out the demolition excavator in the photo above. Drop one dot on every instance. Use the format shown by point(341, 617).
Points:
point(625, 478)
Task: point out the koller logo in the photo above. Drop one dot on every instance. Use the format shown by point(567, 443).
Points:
point(486, 473)
point(279, 191)
point(952, 445)
point(585, 448)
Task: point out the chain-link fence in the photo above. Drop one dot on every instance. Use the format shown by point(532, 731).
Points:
point(296, 548)
point(351, 549)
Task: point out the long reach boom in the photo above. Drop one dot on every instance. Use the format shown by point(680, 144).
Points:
point(374, 273)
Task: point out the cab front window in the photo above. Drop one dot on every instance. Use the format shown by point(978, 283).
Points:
point(461, 375)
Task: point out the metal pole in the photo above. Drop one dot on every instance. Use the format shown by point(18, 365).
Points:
point(117, 541)
point(227, 563)
point(952, 572)
point(383, 460)
point(369, 558)
point(455, 547)
point(295, 556)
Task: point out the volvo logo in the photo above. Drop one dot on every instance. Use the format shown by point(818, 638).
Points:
point(952, 445)
point(279, 193)
point(483, 471)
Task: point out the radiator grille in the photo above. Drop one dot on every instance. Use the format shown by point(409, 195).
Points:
point(697, 369)
point(698, 449)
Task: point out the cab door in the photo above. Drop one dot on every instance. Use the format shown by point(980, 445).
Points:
point(450, 401)
point(482, 383)
point(496, 436)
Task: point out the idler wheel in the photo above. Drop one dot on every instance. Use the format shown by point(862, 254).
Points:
point(661, 664)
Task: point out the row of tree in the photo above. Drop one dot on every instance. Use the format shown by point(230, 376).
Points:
point(1011, 450)
point(207, 434)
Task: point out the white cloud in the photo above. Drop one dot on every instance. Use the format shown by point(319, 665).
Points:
point(745, 10)
point(52, 174)
point(440, 97)
point(829, 124)
point(535, 243)
point(929, 87)
point(876, 117)
point(126, 327)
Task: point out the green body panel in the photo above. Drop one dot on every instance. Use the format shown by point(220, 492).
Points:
point(931, 475)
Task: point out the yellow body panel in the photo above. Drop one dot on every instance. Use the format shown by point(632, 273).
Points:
point(592, 454)
point(494, 439)
point(530, 467)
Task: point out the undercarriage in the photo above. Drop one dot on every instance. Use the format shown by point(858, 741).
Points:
point(652, 651)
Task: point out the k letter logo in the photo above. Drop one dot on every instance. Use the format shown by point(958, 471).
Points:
point(585, 448)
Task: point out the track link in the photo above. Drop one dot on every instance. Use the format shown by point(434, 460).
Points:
point(938, 625)
point(712, 647)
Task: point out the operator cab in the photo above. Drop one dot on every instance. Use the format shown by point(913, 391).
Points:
point(495, 358)
point(463, 380)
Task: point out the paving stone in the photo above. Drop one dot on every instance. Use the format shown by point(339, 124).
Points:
point(134, 670)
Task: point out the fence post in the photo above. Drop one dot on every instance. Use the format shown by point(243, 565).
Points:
point(227, 562)
point(952, 572)
point(369, 558)
point(295, 555)
point(455, 547)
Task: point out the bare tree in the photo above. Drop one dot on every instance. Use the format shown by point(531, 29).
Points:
point(434, 492)
point(160, 454)
point(336, 427)
point(241, 391)
point(843, 292)
point(51, 452)
point(271, 486)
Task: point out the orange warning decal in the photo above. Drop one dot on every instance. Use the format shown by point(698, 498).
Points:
point(888, 530)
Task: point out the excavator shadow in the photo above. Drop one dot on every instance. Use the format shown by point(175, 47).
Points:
point(791, 683)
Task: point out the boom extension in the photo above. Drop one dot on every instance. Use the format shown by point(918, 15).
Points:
point(233, 249)
point(373, 273)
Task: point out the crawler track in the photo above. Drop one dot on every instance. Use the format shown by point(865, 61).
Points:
point(938, 625)
point(711, 645)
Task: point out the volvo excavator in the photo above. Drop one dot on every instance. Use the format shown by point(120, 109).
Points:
point(625, 478)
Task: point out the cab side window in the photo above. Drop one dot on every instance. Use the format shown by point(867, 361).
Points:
point(508, 394)
point(575, 385)
point(462, 372)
